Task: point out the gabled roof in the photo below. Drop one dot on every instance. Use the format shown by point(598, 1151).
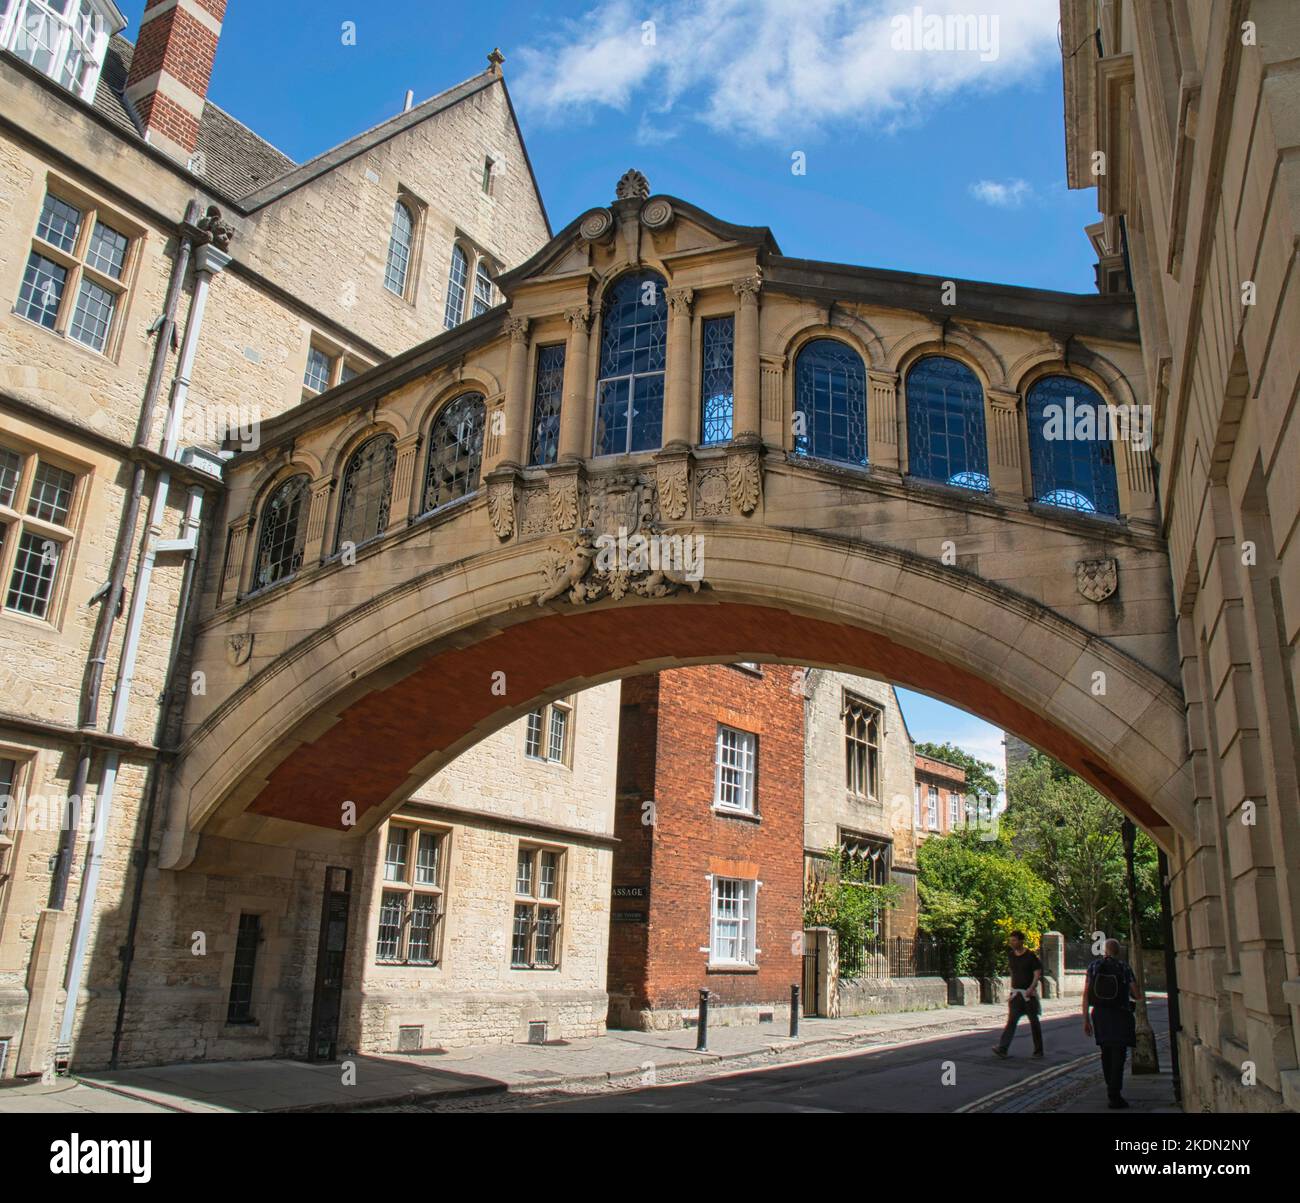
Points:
point(235, 160)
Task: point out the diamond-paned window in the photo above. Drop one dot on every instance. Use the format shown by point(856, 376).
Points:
point(717, 382)
point(367, 491)
point(455, 451)
point(283, 533)
point(548, 393)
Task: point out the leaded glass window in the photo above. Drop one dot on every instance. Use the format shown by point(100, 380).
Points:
point(945, 424)
point(456, 284)
point(1071, 456)
point(283, 534)
point(535, 927)
point(367, 491)
point(547, 395)
point(399, 250)
point(830, 403)
point(482, 290)
point(717, 399)
point(455, 451)
point(630, 388)
point(412, 898)
point(862, 748)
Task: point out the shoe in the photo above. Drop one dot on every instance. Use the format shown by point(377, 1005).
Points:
point(1117, 1104)
point(999, 1051)
point(1038, 1052)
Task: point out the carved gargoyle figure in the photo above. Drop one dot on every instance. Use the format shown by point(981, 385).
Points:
point(664, 581)
point(574, 567)
point(217, 231)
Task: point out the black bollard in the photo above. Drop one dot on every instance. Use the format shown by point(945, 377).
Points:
point(702, 1027)
point(794, 1011)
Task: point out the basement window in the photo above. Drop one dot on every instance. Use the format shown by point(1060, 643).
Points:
point(64, 39)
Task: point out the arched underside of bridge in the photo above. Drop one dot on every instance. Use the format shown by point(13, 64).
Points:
point(366, 708)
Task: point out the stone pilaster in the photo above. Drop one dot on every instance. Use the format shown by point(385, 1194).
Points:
point(515, 414)
point(236, 544)
point(747, 415)
point(574, 438)
point(882, 420)
point(406, 488)
point(678, 410)
point(1006, 470)
point(313, 548)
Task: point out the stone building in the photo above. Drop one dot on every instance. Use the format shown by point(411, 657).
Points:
point(858, 785)
point(170, 279)
point(939, 801)
point(708, 869)
point(1186, 119)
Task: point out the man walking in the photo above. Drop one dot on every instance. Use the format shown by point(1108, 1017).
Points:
point(1109, 992)
point(1026, 973)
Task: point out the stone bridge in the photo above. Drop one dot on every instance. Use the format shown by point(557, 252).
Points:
point(861, 466)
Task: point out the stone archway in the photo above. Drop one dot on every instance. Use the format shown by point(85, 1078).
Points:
point(370, 704)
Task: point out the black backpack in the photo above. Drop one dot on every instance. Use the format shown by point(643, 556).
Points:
point(1109, 984)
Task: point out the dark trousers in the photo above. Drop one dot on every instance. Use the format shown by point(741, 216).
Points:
point(1022, 1006)
point(1112, 1066)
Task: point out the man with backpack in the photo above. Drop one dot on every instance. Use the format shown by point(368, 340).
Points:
point(1026, 973)
point(1109, 992)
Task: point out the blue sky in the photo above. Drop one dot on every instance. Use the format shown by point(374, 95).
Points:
point(943, 159)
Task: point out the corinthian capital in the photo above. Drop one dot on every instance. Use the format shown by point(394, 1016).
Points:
point(681, 300)
point(517, 328)
point(747, 288)
point(578, 316)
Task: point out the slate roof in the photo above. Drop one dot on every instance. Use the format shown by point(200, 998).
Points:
point(235, 161)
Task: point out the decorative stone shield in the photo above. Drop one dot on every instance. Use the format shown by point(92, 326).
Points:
point(238, 649)
point(1096, 579)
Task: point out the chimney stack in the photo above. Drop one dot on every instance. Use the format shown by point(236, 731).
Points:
point(168, 80)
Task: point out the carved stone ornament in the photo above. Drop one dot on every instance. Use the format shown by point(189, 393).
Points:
point(588, 570)
point(748, 287)
point(595, 225)
point(633, 186)
point(1096, 579)
point(680, 300)
point(517, 328)
point(501, 506)
point(673, 479)
point(578, 317)
point(216, 231)
point(622, 502)
point(238, 649)
point(656, 214)
point(744, 479)
point(564, 502)
point(712, 496)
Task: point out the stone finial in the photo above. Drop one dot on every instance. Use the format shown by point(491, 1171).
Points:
point(633, 186)
point(495, 59)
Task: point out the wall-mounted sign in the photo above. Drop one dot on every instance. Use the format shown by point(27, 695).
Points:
point(628, 916)
point(631, 892)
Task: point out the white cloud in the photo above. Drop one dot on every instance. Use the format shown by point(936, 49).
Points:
point(1002, 194)
point(776, 68)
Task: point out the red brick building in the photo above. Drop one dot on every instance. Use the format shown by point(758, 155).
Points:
point(708, 871)
point(939, 805)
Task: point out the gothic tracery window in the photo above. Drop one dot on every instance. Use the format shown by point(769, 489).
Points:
point(283, 532)
point(830, 403)
point(1071, 455)
point(367, 491)
point(945, 424)
point(455, 451)
point(630, 387)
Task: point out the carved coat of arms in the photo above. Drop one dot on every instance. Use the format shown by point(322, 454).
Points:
point(1096, 579)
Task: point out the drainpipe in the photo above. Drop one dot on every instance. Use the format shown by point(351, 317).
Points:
point(111, 602)
point(209, 261)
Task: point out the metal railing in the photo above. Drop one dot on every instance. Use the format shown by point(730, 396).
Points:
point(865, 957)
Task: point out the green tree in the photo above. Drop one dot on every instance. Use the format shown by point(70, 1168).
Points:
point(979, 773)
point(1070, 836)
point(841, 894)
point(973, 892)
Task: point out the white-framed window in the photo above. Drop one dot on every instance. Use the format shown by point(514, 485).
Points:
point(733, 921)
point(77, 268)
point(536, 922)
point(734, 762)
point(401, 238)
point(64, 39)
point(548, 732)
point(412, 901)
point(327, 367)
point(37, 502)
point(954, 809)
point(916, 804)
point(862, 723)
point(932, 808)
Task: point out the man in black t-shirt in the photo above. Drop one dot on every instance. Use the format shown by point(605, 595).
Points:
point(1026, 972)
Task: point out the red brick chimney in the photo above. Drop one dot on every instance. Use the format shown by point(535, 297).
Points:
point(170, 70)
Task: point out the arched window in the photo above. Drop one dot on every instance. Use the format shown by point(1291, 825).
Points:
point(830, 402)
point(482, 289)
point(630, 388)
point(367, 491)
point(399, 250)
point(455, 451)
point(547, 394)
point(456, 284)
point(945, 424)
point(283, 532)
point(1071, 456)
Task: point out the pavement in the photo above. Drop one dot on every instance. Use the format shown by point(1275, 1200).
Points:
point(618, 1062)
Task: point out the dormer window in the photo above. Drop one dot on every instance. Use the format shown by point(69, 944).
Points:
point(64, 39)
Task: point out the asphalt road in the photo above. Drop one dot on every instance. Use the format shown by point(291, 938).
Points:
point(935, 1075)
